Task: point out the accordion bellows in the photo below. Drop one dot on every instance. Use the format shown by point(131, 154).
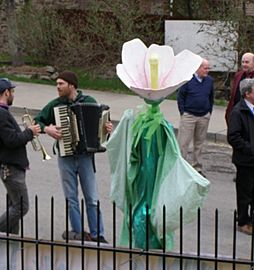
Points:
point(83, 128)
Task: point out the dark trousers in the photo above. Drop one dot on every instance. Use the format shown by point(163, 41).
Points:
point(244, 194)
point(14, 181)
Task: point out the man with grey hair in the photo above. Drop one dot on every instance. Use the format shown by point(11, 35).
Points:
point(241, 137)
point(195, 104)
point(247, 71)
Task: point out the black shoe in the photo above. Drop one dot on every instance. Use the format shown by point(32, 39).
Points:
point(101, 239)
point(76, 236)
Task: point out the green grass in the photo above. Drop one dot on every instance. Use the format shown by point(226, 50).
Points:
point(85, 82)
point(113, 85)
point(5, 57)
point(220, 102)
point(23, 79)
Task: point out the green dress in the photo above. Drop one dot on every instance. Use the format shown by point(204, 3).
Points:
point(147, 173)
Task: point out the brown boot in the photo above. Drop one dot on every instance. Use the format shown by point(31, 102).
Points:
point(247, 229)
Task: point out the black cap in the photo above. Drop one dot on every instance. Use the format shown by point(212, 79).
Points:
point(5, 84)
point(69, 77)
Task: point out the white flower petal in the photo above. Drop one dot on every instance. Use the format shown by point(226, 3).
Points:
point(166, 62)
point(173, 71)
point(133, 59)
point(123, 75)
point(186, 64)
point(155, 95)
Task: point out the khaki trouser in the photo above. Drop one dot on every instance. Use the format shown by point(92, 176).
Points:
point(193, 128)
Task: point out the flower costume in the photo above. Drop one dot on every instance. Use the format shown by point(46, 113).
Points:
point(147, 169)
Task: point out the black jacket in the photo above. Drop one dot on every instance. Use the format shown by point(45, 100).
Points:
point(12, 140)
point(241, 134)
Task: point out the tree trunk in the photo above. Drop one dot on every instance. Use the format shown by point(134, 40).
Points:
point(189, 9)
point(13, 37)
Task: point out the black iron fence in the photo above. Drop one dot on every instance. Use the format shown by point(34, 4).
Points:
point(25, 253)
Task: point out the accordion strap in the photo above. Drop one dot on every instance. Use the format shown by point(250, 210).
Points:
point(54, 147)
point(82, 99)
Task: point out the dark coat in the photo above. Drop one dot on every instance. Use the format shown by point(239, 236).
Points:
point(12, 140)
point(241, 134)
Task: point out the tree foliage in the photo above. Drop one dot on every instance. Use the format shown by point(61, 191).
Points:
point(89, 39)
point(234, 17)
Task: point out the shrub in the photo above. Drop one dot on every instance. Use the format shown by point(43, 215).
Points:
point(90, 39)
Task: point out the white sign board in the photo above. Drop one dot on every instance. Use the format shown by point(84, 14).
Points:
point(203, 38)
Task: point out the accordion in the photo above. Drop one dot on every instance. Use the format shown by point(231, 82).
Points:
point(83, 128)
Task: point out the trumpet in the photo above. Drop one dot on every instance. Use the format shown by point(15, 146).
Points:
point(36, 143)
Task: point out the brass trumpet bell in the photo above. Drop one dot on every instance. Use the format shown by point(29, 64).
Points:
point(36, 143)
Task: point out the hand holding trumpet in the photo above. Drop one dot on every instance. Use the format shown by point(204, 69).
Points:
point(36, 129)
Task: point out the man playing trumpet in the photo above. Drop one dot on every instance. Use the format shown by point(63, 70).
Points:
point(13, 159)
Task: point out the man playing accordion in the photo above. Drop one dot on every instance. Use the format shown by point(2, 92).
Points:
point(78, 165)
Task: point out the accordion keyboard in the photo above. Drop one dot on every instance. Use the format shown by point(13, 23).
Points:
point(63, 120)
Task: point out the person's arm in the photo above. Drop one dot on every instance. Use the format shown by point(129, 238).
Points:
point(13, 137)
point(46, 119)
point(181, 95)
point(231, 102)
point(211, 98)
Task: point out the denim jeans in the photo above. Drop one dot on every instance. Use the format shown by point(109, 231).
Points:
point(72, 169)
point(14, 181)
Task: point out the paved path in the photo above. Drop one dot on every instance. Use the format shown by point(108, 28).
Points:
point(35, 96)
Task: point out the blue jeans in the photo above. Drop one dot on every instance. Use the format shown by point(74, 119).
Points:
point(14, 181)
point(71, 169)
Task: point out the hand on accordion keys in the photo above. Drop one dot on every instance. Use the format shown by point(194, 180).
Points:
point(53, 131)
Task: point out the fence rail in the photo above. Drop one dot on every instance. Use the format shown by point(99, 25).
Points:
point(18, 252)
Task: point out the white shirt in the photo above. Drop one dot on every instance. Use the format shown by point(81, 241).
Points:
point(250, 105)
point(198, 78)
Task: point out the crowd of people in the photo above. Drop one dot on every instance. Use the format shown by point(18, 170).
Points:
point(195, 103)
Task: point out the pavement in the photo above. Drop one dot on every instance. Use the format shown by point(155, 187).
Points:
point(36, 96)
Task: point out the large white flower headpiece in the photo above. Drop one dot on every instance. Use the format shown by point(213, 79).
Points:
point(155, 72)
